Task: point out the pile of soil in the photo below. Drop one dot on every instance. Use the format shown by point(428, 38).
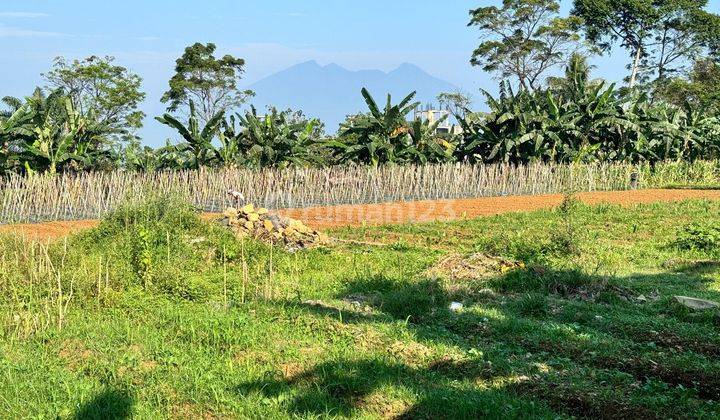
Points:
point(260, 224)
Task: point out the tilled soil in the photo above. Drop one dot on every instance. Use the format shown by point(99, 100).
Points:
point(416, 211)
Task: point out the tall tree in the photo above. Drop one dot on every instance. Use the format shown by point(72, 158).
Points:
point(701, 88)
point(660, 35)
point(210, 83)
point(523, 39)
point(456, 103)
point(97, 86)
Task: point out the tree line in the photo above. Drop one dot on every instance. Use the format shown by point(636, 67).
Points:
point(86, 117)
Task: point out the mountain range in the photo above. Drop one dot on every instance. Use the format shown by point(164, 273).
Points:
point(331, 92)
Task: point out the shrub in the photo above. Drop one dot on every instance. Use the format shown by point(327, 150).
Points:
point(152, 243)
point(699, 237)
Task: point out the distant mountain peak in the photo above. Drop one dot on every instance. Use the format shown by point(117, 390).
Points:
point(309, 63)
point(409, 66)
point(331, 92)
point(334, 66)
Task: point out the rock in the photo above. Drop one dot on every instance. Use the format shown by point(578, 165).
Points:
point(456, 306)
point(248, 209)
point(696, 304)
point(269, 226)
point(357, 300)
point(642, 298)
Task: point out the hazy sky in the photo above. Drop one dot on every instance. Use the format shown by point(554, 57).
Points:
point(147, 36)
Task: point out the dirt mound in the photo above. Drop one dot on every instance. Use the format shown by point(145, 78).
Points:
point(475, 266)
point(260, 224)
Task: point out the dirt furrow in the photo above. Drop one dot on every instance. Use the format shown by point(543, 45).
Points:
point(415, 211)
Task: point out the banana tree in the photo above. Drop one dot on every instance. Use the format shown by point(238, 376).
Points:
point(14, 131)
point(58, 135)
point(230, 153)
point(198, 142)
point(428, 146)
point(278, 139)
point(378, 136)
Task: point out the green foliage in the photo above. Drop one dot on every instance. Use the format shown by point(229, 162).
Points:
point(428, 146)
point(566, 238)
point(101, 91)
point(661, 36)
point(416, 302)
point(699, 237)
point(578, 120)
point(277, 139)
point(136, 157)
point(14, 131)
point(47, 134)
point(381, 136)
point(701, 89)
point(458, 103)
point(198, 141)
point(208, 82)
point(524, 39)
point(533, 305)
point(155, 245)
point(544, 342)
point(386, 137)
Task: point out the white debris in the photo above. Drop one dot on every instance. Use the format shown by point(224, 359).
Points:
point(456, 306)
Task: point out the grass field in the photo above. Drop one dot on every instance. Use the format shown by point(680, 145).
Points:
point(570, 312)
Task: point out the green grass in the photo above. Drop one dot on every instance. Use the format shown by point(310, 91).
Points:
point(156, 314)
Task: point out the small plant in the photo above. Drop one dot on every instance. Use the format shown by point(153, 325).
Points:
point(532, 305)
point(699, 237)
point(142, 255)
point(566, 238)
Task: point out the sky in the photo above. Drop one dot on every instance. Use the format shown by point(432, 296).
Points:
point(271, 35)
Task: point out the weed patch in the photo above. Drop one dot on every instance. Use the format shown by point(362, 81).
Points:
point(158, 314)
point(699, 237)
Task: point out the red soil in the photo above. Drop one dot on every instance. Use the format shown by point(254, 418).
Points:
point(417, 211)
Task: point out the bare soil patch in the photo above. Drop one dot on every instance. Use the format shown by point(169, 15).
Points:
point(416, 211)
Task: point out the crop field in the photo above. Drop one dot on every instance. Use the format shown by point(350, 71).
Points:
point(92, 195)
point(563, 312)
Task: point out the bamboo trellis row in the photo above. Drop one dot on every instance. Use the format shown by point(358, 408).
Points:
point(92, 195)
